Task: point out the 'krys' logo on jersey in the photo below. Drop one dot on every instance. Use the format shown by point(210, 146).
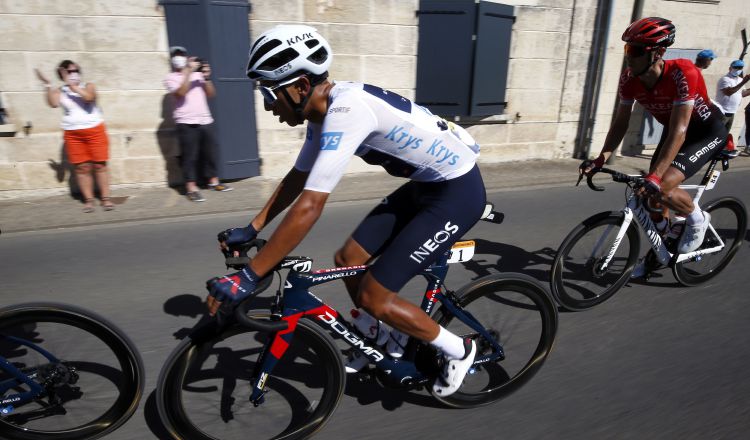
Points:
point(330, 140)
point(403, 138)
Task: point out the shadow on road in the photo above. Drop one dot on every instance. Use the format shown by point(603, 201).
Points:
point(510, 259)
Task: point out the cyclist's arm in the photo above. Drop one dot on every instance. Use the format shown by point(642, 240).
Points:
point(291, 231)
point(617, 130)
point(678, 124)
point(286, 192)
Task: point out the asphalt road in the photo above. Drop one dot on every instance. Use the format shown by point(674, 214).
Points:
point(657, 361)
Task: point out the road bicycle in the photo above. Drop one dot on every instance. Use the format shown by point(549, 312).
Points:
point(596, 259)
point(286, 354)
point(65, 373)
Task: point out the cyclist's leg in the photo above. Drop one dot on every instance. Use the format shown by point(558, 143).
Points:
point(376, 231)
point(701, 144)
point(448, 210)
point(386, 305)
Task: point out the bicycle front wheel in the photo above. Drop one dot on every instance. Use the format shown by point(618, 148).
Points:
point(520, 316)
point(203, 390)
point(90, 373)
point(729, 223)
point(578, 280)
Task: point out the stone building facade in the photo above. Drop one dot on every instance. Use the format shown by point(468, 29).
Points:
point(121, 46)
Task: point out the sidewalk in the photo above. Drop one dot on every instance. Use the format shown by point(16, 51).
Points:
point(249, 195)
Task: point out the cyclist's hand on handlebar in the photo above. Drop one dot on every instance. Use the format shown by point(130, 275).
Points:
point(233, 287)
point(652, 183)
point(588, 165)
point(235, 236)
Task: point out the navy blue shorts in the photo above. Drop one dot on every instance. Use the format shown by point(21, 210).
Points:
point(417, 223)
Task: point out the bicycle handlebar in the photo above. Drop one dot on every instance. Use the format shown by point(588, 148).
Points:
point(616, 176)
point(240, 313)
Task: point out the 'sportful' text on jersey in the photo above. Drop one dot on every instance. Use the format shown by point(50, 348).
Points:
point(386, 129)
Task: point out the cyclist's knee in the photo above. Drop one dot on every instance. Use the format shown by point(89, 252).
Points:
point(339, 258)
point(350, 254)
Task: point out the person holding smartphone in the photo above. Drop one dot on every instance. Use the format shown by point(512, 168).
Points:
point(190, 85)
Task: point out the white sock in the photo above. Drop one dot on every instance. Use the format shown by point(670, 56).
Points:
point(695, 217)
point(451, 345)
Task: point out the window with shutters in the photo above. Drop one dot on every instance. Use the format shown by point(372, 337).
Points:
point(462, 56)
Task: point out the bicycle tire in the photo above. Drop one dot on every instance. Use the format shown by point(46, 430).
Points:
point(186, 391)
point(527, 309)
point(732, 228)
point(101, 374)
point(575, 282)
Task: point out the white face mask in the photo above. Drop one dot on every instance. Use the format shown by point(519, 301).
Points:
point(75, 78)
point(735, 72)
point(179, 62)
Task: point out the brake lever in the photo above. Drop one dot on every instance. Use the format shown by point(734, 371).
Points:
point(242, 249)
point(585, 164)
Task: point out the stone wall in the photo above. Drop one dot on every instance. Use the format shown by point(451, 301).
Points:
point(121, 46)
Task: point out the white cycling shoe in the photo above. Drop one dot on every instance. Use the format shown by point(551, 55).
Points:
point(454, 371)
point(692, 236)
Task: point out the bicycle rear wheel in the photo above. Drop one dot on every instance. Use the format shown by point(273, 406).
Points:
point(729, 220)
point(203, 387)
point(93, 387)
point(577, 280)
point(521, 316)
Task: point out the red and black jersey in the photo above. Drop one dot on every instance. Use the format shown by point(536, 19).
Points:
point(680, 83)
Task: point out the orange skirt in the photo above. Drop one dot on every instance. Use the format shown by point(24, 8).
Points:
point(87, 144)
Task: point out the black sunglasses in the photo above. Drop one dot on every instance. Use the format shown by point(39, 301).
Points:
point(74, 71)
point(636, 51)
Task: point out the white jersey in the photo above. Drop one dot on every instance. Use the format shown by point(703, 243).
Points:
point(728, 104)
point(77, 112)
point(384, 129)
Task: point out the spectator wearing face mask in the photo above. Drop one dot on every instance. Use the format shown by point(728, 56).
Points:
point(86, 141)
point(190, 85)
point(729, 91)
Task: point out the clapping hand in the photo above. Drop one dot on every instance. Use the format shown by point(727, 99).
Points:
point(41, 76)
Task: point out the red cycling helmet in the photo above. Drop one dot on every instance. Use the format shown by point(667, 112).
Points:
point(650, 31)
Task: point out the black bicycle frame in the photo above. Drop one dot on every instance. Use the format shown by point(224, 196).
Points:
point(297, 302)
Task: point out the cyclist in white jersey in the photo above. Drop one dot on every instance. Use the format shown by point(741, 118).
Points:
point(443, 198)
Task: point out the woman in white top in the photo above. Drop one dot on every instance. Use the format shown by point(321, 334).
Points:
point(86, 141)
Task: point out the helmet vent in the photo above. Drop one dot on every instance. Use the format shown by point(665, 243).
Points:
point(262, 51)
point(279, 59)
point(319, 56)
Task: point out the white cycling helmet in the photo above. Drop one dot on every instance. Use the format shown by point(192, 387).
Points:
point(286, 50)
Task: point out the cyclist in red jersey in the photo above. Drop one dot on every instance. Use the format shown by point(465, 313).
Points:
point(674, 92)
